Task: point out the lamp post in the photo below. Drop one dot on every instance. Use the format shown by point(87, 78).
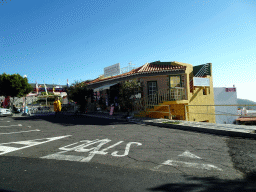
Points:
point(24, 110)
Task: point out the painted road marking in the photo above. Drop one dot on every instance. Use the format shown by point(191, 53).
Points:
point(188, 154)
point(12, 125)
point(80, 148)
point(192, 165)
point(186, 164)
point(7, 147)
point(18, 132)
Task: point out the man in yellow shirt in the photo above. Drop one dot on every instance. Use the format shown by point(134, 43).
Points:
point(57, 106)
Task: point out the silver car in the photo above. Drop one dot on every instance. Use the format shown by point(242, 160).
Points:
point(5, 112)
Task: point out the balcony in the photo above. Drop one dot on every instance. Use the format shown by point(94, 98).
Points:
point(173, 94)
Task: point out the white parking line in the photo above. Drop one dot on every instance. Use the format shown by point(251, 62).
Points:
point(19, 125)
point(4, 148)
point(18, 132)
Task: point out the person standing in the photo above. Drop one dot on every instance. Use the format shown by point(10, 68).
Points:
point(57, 106)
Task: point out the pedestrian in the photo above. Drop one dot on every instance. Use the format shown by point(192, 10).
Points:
point(57, 106)
point(15, 108)
point(2, 104)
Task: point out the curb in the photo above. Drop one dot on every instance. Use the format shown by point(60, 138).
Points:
point(231, 133)
point(215, 131)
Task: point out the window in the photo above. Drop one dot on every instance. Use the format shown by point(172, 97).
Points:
point(204, 91)
point(152, 87)
point(175, 81)
point(177, 91)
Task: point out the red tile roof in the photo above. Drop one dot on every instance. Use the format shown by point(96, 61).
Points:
point(145, 69)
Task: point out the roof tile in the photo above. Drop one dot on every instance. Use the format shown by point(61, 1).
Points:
point(146, 68)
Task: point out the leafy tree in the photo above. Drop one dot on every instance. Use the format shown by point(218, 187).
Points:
point(78, 92)
point(127, 92)
point(14, 85)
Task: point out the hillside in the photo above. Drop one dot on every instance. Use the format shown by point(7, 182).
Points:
point(246, 102)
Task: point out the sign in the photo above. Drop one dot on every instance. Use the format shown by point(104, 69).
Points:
point(111, 110)
point(112, 70)
point(203, 82)
point(230, 89)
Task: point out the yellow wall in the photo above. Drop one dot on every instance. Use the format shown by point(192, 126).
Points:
point(198, 98)
point(195, 98)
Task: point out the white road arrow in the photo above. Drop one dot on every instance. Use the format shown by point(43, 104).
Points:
point(188, 154)
point(192, 165)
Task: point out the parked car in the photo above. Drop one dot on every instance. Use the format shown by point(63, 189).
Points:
point(5, 112)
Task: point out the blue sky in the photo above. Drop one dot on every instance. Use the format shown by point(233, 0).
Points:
point(52, 41)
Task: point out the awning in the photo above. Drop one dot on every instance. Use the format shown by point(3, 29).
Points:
point(104, 87)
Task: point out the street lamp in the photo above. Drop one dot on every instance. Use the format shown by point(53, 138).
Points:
point(24, 109)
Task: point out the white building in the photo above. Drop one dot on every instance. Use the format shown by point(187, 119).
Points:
point(225, 96)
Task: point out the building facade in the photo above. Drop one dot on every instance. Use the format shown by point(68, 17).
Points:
point(168, 90)
point(225, 96)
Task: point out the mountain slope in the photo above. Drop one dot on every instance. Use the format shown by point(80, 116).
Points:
point(246, 102)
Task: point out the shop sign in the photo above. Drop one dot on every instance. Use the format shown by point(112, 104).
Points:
point(202, 82)
point(230, 89)
point(112, 70)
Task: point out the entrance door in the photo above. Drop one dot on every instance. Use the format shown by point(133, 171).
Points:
point(152, 91)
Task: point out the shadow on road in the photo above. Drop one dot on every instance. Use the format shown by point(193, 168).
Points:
point(211, 184)
point(71, 120)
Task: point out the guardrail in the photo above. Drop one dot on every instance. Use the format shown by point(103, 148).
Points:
point(227, 114)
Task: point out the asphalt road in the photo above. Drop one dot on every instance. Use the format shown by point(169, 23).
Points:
point(71, 153)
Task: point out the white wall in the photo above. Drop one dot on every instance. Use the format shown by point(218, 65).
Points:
point(221, 97)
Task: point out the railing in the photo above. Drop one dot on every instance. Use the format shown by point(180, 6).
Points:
point(240, 114)
point(40, 109)
point(225, 113)
point(160, 96)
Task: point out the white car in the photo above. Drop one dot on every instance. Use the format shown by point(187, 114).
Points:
point(5, 112)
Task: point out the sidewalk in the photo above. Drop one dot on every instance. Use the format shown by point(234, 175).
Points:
point(219, 129)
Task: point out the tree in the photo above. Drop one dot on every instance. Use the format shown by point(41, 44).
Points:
point(78, 92)
point(14, 85)
point(127, 92)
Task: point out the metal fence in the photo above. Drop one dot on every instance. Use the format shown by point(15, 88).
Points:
point(221, 114)
point(226, 114)
point(35, 109)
